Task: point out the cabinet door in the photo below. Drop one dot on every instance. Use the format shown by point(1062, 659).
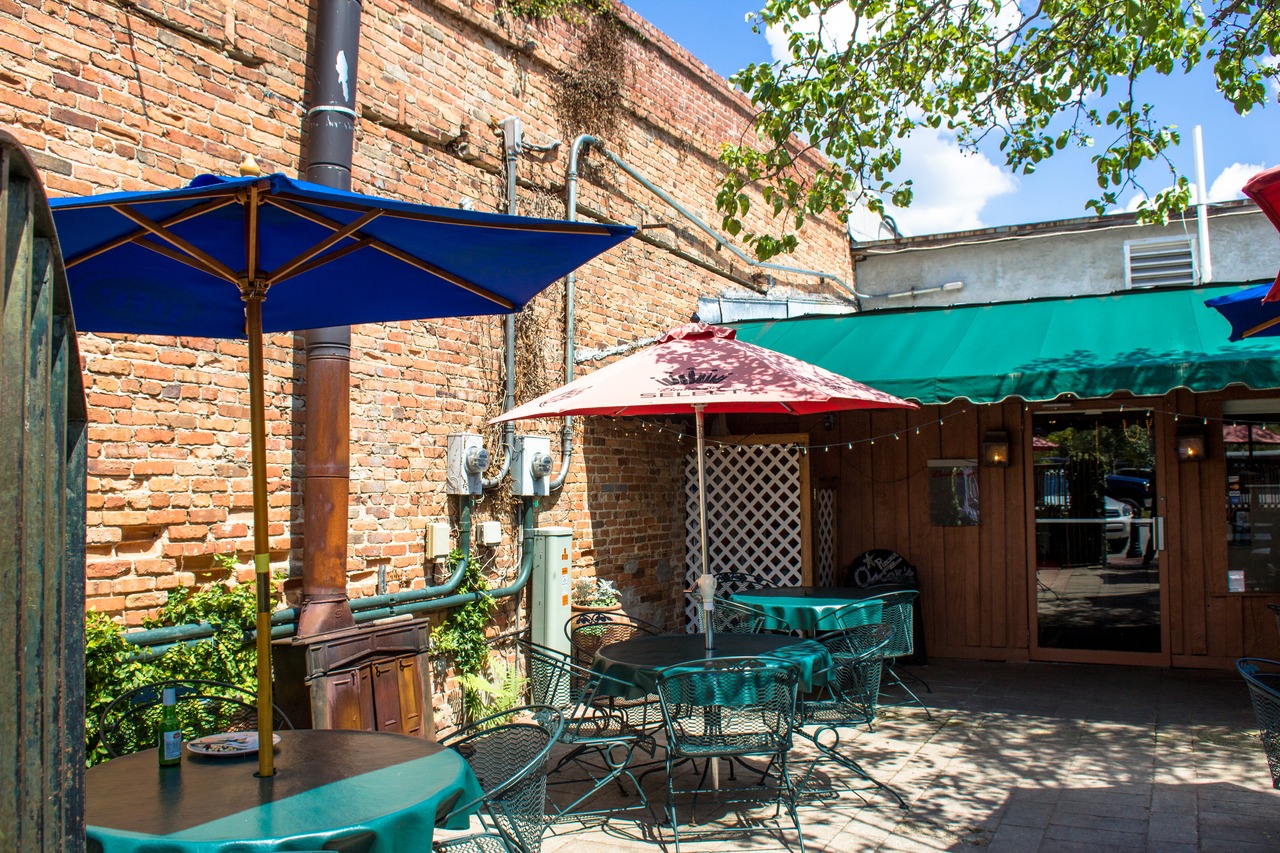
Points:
point(386, 695)
point(410, 695)
point(349, 697)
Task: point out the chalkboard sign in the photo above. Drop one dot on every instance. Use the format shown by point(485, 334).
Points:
point(882, 567)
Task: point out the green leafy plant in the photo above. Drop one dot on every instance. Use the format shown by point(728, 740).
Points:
point(462, 634)
point(113, 665)
point(501, 691)
point(595, 592)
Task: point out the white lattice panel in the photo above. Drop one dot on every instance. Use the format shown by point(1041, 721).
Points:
point(753, 510)
point(824, 528)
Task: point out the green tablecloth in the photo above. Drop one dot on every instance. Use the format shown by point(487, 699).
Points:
point(329, 784)
point(812, 609)
point(631, 666)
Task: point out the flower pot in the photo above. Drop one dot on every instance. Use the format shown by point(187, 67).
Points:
point(596, 608)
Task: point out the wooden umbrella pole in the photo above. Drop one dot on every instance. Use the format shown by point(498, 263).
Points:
point(261, 538)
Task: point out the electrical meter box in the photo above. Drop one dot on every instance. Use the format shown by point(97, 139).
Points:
point(531, 466)
point(552, 582)
point(465, 461)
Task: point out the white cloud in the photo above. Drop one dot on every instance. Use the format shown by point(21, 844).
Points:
point(1225, 187)
point(951, 186)
point(1228, 183)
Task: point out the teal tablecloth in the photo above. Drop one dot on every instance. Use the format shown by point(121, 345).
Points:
point(812, 609)
point(330, 784)
point(631, 666)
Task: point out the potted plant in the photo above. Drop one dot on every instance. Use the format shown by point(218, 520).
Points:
point(594, 595)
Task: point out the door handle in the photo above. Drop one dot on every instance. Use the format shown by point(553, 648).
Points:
point(1158, 531)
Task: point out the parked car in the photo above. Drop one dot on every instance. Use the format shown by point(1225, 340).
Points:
point(1119, 514)
point(1131, 485)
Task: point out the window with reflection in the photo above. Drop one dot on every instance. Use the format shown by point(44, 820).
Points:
point(1252, 447)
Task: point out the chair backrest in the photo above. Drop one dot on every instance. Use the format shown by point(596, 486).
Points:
point(729, 583)
point(1263, 679)
point(587, 632)
point(733, 617)
point(204, 707)
point(508, 753)
point(899, 611)
point(857, 656)
point(733, 705)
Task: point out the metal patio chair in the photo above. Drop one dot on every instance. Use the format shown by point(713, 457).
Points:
point(733, 617)
point(899, 611)
point(128, 724)
point(508, 753)
point(729, 583)
point(587, 632)
point(600, 737)
point(848, 698)
point(733, 708)
point(1263, 678)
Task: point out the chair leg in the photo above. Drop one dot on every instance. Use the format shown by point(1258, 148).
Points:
point(912, 699)
point(614, 770)
point(833, 753)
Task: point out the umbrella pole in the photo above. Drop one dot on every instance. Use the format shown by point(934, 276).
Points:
point(699, 417)
point(261, 555)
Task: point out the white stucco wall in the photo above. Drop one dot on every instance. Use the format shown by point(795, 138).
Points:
point(1064, 259)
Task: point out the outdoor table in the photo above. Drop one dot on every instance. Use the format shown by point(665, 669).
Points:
point(330, 784)
point(811, 609)
point(632, 665)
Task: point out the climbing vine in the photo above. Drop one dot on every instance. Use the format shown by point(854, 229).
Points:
point(462, 634)
point(588, 96)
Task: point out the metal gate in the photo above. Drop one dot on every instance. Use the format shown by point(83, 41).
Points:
point(42, 508)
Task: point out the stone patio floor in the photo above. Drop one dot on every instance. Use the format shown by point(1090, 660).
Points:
point(1019, 758)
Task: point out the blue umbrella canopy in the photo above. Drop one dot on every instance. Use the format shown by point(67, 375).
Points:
point(1248, 313)
point(174, 262)
point(241, 257)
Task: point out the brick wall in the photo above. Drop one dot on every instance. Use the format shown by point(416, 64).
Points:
point(109, 98)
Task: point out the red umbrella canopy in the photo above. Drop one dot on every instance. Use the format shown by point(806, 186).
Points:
point(1264, 189)
point(699, 365)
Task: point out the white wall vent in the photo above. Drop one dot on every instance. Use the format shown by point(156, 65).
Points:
point(1160, 262)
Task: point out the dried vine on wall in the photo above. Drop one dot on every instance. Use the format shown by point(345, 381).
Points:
point(589, 92)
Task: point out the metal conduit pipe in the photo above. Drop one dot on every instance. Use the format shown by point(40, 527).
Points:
point(528, 518)
point(511, 141)
point(571, 203)
point(284, 621)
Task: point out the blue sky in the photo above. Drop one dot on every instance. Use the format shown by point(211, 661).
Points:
point(956, 193)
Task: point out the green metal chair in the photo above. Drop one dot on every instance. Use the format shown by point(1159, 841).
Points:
point(1263, 678)
point(600, 737)
point(508, 753)
point(587, 632)
point(734, 617)
point(734, 708)
point(848, 698)
point(204, 707)
point(899, 611)
point(730, 583)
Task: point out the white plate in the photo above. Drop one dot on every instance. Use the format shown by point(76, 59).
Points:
point(228, 743)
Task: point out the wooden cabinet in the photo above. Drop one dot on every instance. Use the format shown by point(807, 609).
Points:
point(370, 678)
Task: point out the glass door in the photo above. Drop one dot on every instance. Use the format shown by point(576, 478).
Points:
point(1097, 539)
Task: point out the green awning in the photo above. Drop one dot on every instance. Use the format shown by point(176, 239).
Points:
point(1146, 342)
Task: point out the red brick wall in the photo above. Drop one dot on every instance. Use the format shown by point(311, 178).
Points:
point(111, 99)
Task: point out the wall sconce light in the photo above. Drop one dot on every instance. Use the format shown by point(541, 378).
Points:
point(995, 448)
point(1190, 444)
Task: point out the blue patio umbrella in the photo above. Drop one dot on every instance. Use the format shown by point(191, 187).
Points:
point(1255, 312)
point(240, 257)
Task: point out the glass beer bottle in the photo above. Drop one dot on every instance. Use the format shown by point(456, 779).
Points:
point(169, 730)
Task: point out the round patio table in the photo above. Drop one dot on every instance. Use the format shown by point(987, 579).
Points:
point(812, 609)
point(632, 665)
point(384, 791)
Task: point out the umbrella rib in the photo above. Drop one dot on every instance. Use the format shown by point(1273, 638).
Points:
point(211, 264)
point(277, 276)
point(1261, 327)
point(374, 243)
point(300, 263)
point(133, 236)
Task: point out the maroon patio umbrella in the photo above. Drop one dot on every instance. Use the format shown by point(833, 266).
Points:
point(699, 369)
